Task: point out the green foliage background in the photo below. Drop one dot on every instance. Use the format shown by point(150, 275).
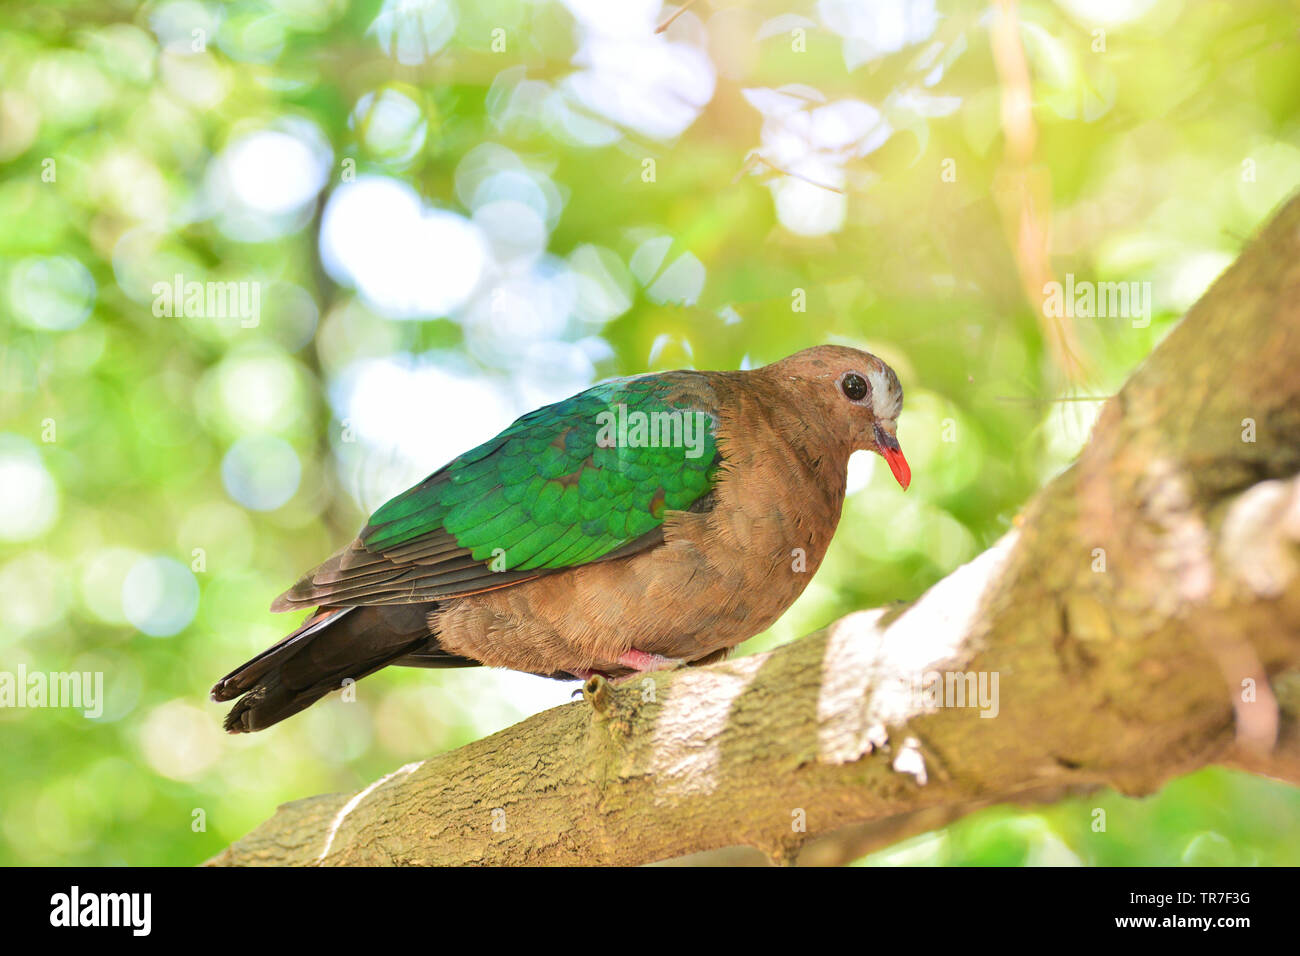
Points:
point(1162, 138)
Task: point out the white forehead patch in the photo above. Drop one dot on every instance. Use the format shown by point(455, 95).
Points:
point(886, 399)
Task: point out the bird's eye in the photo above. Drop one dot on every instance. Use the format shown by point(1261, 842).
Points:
point(854, 387)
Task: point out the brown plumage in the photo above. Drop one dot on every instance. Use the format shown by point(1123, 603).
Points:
point(704, 579)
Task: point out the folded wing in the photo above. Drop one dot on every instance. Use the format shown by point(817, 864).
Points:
point(565, 485)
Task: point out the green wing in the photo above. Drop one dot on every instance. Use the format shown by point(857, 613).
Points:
point(586, 479)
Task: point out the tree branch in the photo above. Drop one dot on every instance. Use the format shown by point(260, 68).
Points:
point(1142, 620)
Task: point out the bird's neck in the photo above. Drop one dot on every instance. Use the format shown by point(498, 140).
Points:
point(818, 471)
point(789, 477)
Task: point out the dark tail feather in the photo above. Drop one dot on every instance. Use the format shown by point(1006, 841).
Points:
point(333, 645)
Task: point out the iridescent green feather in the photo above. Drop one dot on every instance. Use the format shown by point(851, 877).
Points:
point(548, 494)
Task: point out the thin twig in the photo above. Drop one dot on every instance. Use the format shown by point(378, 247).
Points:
point(757, 158)
point(677, 13)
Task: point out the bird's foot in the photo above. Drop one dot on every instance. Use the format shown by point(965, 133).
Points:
point(638, 662)
point(584, 676)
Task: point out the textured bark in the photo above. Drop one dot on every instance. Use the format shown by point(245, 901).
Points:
point(1184, 651)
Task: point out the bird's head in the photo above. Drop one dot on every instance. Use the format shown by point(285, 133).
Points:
point(856, 397)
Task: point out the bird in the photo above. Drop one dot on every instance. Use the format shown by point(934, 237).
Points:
point(647, 523)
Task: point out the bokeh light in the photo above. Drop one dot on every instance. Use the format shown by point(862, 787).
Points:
point(263, 183)
point(261, 472)
point(159, 596)
point(179, 740)
point(406, 259)
point(390, 125)
point(29, 497)
point(411, 31)
point(55, 293)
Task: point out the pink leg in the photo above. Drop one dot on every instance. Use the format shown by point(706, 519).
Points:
point(640, 661)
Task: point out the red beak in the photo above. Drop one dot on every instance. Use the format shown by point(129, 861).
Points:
point(893, 453)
